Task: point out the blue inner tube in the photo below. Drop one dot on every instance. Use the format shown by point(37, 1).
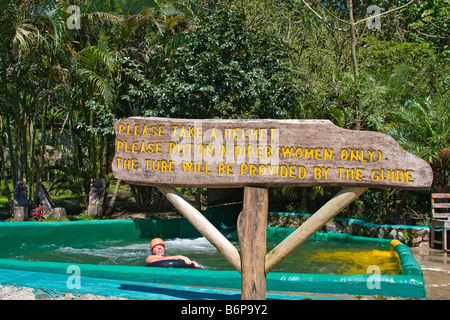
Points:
point(175, 263)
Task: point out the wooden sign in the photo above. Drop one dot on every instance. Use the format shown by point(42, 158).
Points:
point(236, 153)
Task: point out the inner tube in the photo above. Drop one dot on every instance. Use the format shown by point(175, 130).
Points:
point(175, 263)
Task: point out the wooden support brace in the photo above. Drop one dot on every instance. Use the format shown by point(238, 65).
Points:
point(252, 230)
point(312, 225)
point(206, 228)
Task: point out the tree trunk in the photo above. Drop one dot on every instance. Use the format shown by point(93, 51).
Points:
point(5, 177)
point(12, 158)
point(198, 199)
point(304, 203)
point(33, 166)
point(24, 152)
point(402, 203)
point(113, 199)
point(43, 143)
point(355, 65)
point(92, 160)
point(353, 35)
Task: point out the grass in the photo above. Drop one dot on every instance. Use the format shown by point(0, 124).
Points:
point(124, 207)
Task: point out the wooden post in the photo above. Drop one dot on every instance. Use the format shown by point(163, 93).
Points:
point(96, 196)
point(252, 230)
point(206, 228)
point(21, 201)
point(313, 224)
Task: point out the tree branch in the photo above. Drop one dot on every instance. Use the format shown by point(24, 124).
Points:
point(328, 11)
point(430, 35)
point(328, 24)
point(436, 26)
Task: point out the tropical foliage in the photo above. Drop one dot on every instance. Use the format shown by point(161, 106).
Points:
point(66, 77)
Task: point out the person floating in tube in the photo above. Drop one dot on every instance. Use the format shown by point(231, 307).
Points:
point(158, 249)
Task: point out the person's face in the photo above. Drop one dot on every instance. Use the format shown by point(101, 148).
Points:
point(159, 250)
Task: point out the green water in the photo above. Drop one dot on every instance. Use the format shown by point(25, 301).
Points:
point(312, 257)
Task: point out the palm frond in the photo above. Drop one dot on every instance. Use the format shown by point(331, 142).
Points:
point(99, 83)
point(25, 36)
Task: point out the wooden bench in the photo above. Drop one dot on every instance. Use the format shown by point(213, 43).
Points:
point(440, 217)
